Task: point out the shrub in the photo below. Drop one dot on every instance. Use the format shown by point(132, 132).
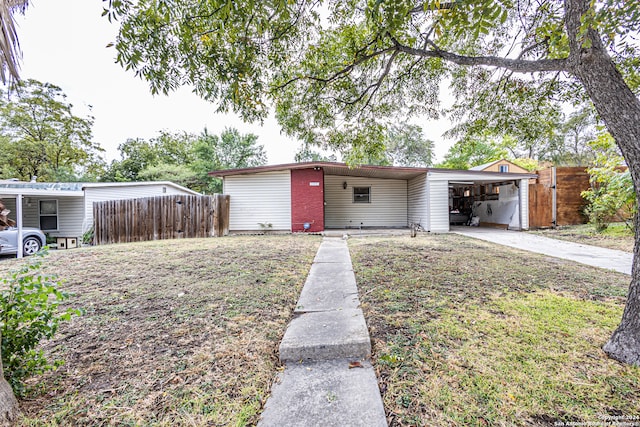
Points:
point(29, 313)
point(87, 236)
point(612, 196)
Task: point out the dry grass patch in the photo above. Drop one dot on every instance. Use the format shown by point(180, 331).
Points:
point(181, 332)
point(467, 333)
point(616, 236)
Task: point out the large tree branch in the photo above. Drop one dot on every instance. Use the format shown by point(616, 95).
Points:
point(376, 86)
point(340, 73)
point(515, 65)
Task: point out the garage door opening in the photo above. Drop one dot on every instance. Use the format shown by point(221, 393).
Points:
point(485, 204)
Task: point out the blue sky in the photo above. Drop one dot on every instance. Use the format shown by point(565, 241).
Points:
point(64, 43)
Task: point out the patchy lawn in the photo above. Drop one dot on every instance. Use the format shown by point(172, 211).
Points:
point(181, 332)
point(616, 236)
point(467, 333)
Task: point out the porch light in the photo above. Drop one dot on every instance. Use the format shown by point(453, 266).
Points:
point(344, 185)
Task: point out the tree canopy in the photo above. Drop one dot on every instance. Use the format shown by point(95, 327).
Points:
point(40, 136)
point(565, 142)
point(467, 153)
point(186, 158)
point(340, 72)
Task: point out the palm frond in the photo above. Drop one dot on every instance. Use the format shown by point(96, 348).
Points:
point(9, 45)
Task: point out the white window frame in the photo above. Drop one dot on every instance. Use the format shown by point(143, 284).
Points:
point(56, 215)
point(504, 168)
point(354, 200)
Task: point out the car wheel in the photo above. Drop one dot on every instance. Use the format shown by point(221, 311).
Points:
point(30, 246)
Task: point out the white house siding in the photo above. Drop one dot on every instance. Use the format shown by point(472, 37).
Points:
point(259, 198)
point(417, 203)
point(70, 217)
point(70, 214)
point(119, 192)
point(438, 205)
point(388, 206)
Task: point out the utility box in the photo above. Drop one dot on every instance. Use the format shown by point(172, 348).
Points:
point(67, 242)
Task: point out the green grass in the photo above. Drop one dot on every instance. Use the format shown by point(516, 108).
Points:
point(618, 229)
point(472, 334)
point(180, 332)
point(616, 236)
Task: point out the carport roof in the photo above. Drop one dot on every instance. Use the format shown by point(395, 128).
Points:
point(70, 189)
point(371, 171)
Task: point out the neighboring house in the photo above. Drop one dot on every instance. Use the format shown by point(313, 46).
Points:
point(315, 196)
point(502, 166)
point(66, 209)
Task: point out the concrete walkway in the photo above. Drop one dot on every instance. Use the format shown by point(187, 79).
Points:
point(609, 259)
point(328, 379)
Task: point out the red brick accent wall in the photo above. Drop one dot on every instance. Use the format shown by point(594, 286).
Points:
point(307, 199)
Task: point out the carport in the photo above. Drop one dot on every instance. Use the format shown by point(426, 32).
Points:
point(14, 194)
point(499, 200)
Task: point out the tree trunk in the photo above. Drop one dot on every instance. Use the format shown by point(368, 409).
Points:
point(619, 108)
point(8, 402)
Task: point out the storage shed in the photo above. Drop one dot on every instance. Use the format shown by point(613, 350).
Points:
point(315, 196)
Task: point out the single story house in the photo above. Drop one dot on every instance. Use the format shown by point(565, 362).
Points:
point(315, 196)
point(66, 209)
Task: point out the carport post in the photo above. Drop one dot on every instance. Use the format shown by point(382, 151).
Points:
point(19, 224)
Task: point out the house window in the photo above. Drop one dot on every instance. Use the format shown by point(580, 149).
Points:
point(48, 215)
point(504, 168)
point(361, 194)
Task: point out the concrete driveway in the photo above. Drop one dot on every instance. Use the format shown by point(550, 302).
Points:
point(585, 254)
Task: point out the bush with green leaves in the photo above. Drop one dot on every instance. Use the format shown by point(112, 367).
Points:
point(611, 196)
point(87, 236)
point(29, 313)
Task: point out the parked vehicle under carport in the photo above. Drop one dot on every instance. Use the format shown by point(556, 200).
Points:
point(33, 240)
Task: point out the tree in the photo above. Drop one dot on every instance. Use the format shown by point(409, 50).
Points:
point(572, 146)
point(407, 146)
point(339, 72)
point(468, 153)
point(510, 111)
point(136, 155)
point(611, 194)
point(230, 150)
point(186, 158)
point(307, 154)
point(404, 145)
point(178, 173)
point(42, 136)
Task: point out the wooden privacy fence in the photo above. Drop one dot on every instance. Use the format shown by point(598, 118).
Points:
point(566, 184)
point(161, 217)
